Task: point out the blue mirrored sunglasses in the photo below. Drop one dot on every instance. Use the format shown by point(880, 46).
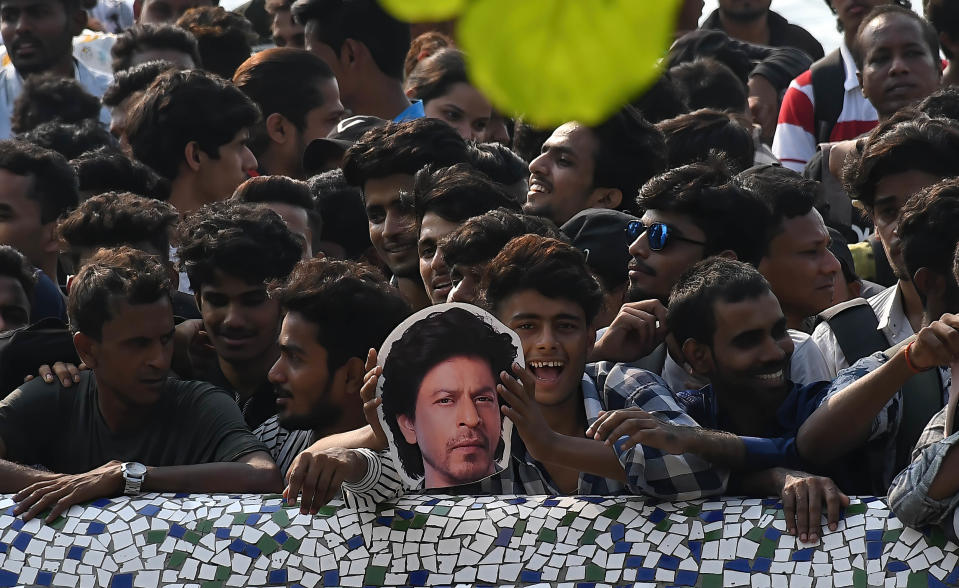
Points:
point(658, 234)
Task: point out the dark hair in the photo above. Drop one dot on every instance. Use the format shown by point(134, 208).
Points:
point(631, 151)
point(698, 135)
point(691, 311)
point(456, 332)
point(708, 83)
point(118, 218)
point(783, 192)
point(340, 206)
point(285, 81)
point(184, 106)
point(943, 15)
point(663, 100)
point(903, 3)
point(352, 305)
point(246, 241)
point(144, 37)
point(225, 39)
point(365, 21)
point(54, 186)
point(456, 193)
point(423, 46)
point(111, 277)
point(279, 189)
point(943, 103)
point(403, 148)
point(927, 145)
point(68, 139)
point(528, 140)
point(929, 228)
point(135, 79)
point(551, 267)
point(109, 170)
point(435, 75)
point(498, 162)
point(929, 34)
point(14, 264)
point(46, 98)
point(482, 237)
point(725, 213)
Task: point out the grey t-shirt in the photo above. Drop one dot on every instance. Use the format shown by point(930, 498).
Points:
point(62, 428)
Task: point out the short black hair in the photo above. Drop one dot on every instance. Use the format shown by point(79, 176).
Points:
point(708, 83)
point(111, 277)
point(691, 311)
point(134, 79)
point(943, 103)
point(456, 193)
point(929, 228)
point(928, 32)
point(498, 162)
point(903, 3)
point(70, 139)
point(281, 190)
point(225, 38)
point(528, 140)
point(403, 148)
point(943, 15)
point(282, 80)
point(365, 21)
point(144, 37)
point(783, 192)
point(663, 100)
point(14, 264)
point(54, 184)
point(340, 206)
point(110, 170)
point(443, 335)
point(184, 106)
point(481, 238)
point(551, 267)
point(699, 135)
point(46, 98)
point(725, 213)
point(246, 241)
point(631, 151)
point(352, 305)
point(118, 218)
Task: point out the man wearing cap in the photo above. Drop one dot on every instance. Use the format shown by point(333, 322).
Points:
point(300, 102)
point(326, 154)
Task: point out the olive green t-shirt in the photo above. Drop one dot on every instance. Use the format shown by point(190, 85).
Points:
point(62, 428)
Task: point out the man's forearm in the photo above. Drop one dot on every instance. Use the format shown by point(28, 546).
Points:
point(585, 455)
point(718, 447)
point(946, 482)
point(355, 439)
point(767, 482)
point(15, 477)
point(234, 477)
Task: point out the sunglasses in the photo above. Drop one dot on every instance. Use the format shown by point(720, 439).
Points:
point(658, 234)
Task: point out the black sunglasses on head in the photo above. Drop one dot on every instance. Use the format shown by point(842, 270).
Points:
point(658, 234)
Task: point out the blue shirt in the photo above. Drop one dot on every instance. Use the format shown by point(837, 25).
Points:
point(413, 111)
point(761, 452)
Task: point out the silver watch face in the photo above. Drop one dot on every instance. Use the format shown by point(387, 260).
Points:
point(134, 469)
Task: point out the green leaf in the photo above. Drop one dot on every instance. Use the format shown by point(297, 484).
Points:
point(555, 61)
point(423, 10)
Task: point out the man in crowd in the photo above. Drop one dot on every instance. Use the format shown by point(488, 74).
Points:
point(17, 282)
point(752, 21)
point(289, 198)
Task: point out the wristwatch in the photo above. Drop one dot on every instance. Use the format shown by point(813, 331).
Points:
point(133, 474)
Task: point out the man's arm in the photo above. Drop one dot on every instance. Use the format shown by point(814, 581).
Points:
point(15, 477)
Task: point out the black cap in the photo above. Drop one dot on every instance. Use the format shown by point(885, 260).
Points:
point(600, 234)
point(347, 131)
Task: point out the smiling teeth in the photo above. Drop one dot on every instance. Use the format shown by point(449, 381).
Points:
point(773, 376)
point(540, 364)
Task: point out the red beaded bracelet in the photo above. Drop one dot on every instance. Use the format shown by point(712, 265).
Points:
point(909, 361)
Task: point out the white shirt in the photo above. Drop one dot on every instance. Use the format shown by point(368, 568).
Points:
point(11, 84)
point(887, 305)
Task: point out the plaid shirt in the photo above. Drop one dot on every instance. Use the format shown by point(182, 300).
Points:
point(604, 386)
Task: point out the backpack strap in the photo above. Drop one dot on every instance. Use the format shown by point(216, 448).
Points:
point(829, 92)
point(856, 328)
point(921, 400)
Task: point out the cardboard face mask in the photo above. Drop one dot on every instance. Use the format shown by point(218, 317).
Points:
point(440, 410)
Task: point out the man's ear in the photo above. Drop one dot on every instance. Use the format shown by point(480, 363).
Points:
point(352, 52)
point(87, 349)
point(278, 128)
point(407, 428)
point(604, 198)
point(699, 357)
point(928, 283)
point(191, 156)
point(348, 379)
point(137, 8)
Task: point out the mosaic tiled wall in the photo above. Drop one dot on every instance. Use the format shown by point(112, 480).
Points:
point(209, 541)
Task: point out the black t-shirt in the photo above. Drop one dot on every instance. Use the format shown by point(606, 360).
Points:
point(63, 430)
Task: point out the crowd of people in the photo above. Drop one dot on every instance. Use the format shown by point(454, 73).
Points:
point(743, 282)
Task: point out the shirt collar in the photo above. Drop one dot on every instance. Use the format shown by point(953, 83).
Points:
point(849, 64)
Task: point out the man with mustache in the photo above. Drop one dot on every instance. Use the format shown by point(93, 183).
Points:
point(39, 39)
point(230, 251)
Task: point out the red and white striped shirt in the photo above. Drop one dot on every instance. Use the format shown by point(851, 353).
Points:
point(795, 140)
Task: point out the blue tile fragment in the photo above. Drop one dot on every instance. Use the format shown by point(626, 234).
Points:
point(762, 565)
point(238, 545)
point(281, 537)
point(516, 500)
point(657, 516)
point(696, 548)
point(737, 565)
point(645, 574)
point(873, 549)
point(418, 578)
point(432, 502)
point(270, 508)
point(222, 533)
point(17, 524)
point(253, 519)
point(874, 535)
point(22, 540)
point(772, 533)
point(3, 547)
point(44, 578)
point(933, 582)
point(122, 581)
point(550, 502)
point(9, 511)
point(276, 577)
point(406, 515)
point(592, 499)
point(953, 577)
point(711, 516)
point(668, 562)
point(530, 577)
point(502, 539)
point(95, 528)
point(101, 502)
point(177, 531)
point(477, 506)
point(803, 554)
point(184, 495)
point(76, 552)
point(622, 547)
point(896, 566)
point(355, 541)
point(686, 578)
point(252, 551)
point(150, 510)
point(331, 578)
point(385, 521)
point(634, 561)
point(617, 532)
point(586, 585)
point(8, 579)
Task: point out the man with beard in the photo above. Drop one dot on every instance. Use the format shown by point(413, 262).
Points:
point(39, 39)
point(336, 311)
point(752, 21)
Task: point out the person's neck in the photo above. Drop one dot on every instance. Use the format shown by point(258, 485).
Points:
point(184, 196)
point(247, 376)
point(119, 416)
point(567, 418)
point(849, 38)
point(348, 422)
point(413, 292)
point(65, 68)
point(751, 31)
point(276, 163)
point(794, 321)
point(48, 265)
point(382, 96)
point(749, 413)
point(950, 75)
point(911, 304)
